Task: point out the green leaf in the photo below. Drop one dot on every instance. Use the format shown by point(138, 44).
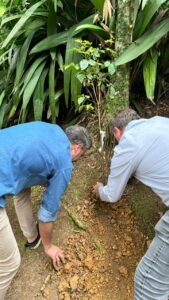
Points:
point(81, 77)
point(84, 64)
point(39, 96)
point(98, 5)
point(107, 63)
point(22, 58)
point(51, 26)
point(144, 43)
point(2, 95)
point(136, 7)
point(58, 94)
point(2, 113)
point(67, 72)
point(55, 2)
point(21, 22)
point(150, 72)
point(9, 19)
point(59, 38)
point(76, 85)
point(30, 89)
point(31, 71)
point(111, 68)
point(52, 90)
point(145, 16)
point(59, 59)
point(12, 65)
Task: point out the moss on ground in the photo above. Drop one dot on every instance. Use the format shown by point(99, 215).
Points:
point(146, 206)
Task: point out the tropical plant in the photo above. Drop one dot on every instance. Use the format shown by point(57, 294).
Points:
point(150, 41)
point(95, 73)
point(36, 40)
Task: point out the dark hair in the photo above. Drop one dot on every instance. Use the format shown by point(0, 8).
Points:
point(123, 117)
point(79, 135)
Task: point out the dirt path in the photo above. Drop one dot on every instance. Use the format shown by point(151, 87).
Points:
point(100, 260)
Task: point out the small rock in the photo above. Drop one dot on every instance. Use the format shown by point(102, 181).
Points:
point(63, 285)
point(74, 282)
point(89, 262)
point(123, 271)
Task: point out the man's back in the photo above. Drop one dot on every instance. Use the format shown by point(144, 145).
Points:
point(30, 154)
point(150, 138)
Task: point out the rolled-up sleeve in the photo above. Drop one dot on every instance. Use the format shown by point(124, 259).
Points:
point(123, 166)
point(54, 191)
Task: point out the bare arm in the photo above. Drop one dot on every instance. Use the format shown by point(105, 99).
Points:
point(55, 253)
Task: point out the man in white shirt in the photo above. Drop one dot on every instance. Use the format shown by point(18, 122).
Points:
point(143, 152)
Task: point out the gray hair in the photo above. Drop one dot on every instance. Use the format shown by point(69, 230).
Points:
point(123, 117)
point(79, 135)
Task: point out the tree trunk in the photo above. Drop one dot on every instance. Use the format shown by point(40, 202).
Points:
point(122, 40)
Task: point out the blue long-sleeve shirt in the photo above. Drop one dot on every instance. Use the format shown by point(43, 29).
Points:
point(143, 152)
point(31, 154)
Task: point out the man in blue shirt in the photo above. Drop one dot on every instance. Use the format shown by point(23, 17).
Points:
point(143, 152)
point(31, 154)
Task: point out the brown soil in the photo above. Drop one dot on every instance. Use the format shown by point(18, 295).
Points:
point(100, 260)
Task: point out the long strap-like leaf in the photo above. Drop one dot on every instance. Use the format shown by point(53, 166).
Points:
point(39, 96)
point(144, 43)
point(30, 89)
point(52, 91)
point(60, 37)
point(21, 22)
point(145, 16)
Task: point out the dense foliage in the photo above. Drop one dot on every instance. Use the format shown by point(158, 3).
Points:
point(150, 41)
point(37, 38)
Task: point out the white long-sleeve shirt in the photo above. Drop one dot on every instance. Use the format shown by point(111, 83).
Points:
point(143, 152)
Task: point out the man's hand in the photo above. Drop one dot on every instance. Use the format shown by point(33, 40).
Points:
point(56, 254)
point(96, 189)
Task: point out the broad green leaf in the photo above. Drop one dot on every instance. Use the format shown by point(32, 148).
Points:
point(22, 58)
point(144, 43)
point(21, 22)
point(39, 96)
point(52, 90)
point(81, 77)
point(30, 89)
point(150, 72)
point(145, 16)
point(98, 5)
point(111, 68)
point(59, 38)
point(84, 64)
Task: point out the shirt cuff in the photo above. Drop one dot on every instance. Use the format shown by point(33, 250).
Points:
point(2, 202)
point(102, 195)
point(46, 216)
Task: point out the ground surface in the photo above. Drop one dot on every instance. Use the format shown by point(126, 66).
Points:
point(100, 260)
